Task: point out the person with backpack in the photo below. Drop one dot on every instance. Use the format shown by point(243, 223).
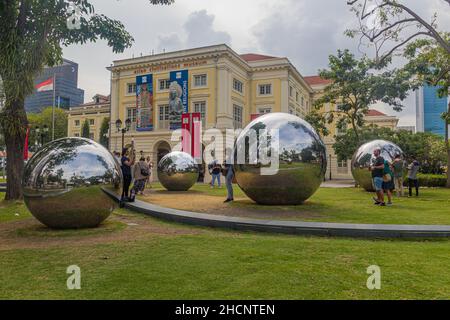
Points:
point(141, 172)
point(388, 182)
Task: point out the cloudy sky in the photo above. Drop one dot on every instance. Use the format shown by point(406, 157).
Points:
point(305, 31)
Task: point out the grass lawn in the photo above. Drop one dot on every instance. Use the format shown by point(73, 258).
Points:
point(170, 261)
point(352, 205)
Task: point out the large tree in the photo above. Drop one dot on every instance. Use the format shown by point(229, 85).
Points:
point(32, 35)
point(389, 25)
point(355, 85)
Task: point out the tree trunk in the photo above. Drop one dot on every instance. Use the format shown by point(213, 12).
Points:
point(447, 146)
point(14, 122)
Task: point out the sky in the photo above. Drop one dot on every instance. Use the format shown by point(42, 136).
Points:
point(305, 31)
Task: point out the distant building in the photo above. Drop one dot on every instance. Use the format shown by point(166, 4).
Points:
point(379, 119)
point(429, 108)
point(407, 128)
point(67, 92)
point(94, 112)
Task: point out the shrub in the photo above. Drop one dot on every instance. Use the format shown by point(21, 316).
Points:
point(430, 180)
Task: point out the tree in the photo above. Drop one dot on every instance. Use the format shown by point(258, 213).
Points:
point(355, 86)
point(429, 63)
point(32, 34)
point(104, 129)
point(43, 119)
point(389, 25)
point(85, 129)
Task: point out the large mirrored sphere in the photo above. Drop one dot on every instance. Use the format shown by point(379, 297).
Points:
point(63, 183)
point(302, 160)
point(363, 158)
point(178, 171)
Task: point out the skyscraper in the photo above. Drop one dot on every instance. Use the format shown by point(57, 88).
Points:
point(67, 93)
point(429, 109)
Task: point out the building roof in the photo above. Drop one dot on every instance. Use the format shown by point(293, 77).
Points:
point(255, 57)
point(375, 113)
point(316, 80)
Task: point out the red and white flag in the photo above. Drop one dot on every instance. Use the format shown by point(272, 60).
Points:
point(45, 86)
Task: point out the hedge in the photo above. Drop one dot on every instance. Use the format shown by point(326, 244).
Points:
point(430, 180)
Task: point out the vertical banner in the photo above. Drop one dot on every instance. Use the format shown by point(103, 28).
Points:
point(191, 135)
point(25, 147)
point(178, 97)
point(144, 103)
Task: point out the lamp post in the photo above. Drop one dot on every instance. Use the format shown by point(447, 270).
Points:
point(123, 130)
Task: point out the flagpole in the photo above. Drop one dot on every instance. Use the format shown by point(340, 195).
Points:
point(53, 107)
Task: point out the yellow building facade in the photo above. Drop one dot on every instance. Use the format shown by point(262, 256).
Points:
point(94, 112)
point(228, 90)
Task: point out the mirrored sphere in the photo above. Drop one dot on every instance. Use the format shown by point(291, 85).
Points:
point(178, 171)
point(302, 160)
point(63, 183)
point(363, 158)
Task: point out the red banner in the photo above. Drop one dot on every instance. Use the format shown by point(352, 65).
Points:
point(25, 147)
point(191, 125)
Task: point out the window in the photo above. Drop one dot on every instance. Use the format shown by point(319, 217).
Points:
point(164, 84)
point(291, 91)
point(91, 136)
point(303, 101)
point(164, 119)
point(342, 166)
point(291, 110)
point(296, 96)
point(265, 110)
point(200, 80)
point(265, 89)
point(131, 114)
point(131, 88)
point(91, 122)
point(77, 135)
point(237, 116)
point(238, 86)
point(77, 123)
point(200, 107)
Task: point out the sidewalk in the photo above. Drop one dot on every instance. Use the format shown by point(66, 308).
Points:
point(338, 184)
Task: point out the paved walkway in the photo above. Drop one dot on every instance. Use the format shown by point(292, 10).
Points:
point(290, 227)
point(338, 184)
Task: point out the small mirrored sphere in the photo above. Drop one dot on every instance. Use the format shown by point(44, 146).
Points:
point(301, 156)
point(178, 171)
point(63, 183)
point(363, 158)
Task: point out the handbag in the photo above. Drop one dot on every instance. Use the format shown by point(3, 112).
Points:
point(387, 178)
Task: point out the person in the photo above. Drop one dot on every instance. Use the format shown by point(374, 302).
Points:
point(148, 182)
point(126, 164)
point(388, 182)
point(141, 173)
point(377, 169)
point(413, 170)
point(398, 170)
point(215, 172)
point(117, 156)
point(228, 172)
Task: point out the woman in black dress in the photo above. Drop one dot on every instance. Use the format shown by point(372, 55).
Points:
point(126, 165)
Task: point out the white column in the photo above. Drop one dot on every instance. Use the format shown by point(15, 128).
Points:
point(224, 107)
point(285, 95)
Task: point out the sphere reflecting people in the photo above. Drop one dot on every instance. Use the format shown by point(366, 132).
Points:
point(64, 183)
point(363, 158)
point(298, 157)
point(178, 171)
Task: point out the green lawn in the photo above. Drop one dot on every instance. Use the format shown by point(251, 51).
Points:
point(352, 205)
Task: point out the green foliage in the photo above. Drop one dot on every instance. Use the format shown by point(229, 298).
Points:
point(356, 84)
point(104, 129)
point(44, 118)
point(85, 129)
point(426, 147)
point(430, 180)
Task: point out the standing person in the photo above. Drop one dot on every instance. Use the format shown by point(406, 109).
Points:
point(398, 170)
point(228, 172)
point(141, 173)
point(413, 170)
point(126, 164)
point(388, 182)
point(148, 183)
point(215, 172)
point(377, 169)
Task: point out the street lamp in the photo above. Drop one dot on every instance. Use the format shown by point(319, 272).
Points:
point(123, 130)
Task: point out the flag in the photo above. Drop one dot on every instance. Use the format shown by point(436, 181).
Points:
point(25, 148)
point(45, 86)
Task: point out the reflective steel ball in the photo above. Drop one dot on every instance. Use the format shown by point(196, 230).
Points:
point(301, 156)
point(63, 183)
point(363, 158)
point(178, 171)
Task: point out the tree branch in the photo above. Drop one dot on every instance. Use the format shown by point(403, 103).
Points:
point(385, 56)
